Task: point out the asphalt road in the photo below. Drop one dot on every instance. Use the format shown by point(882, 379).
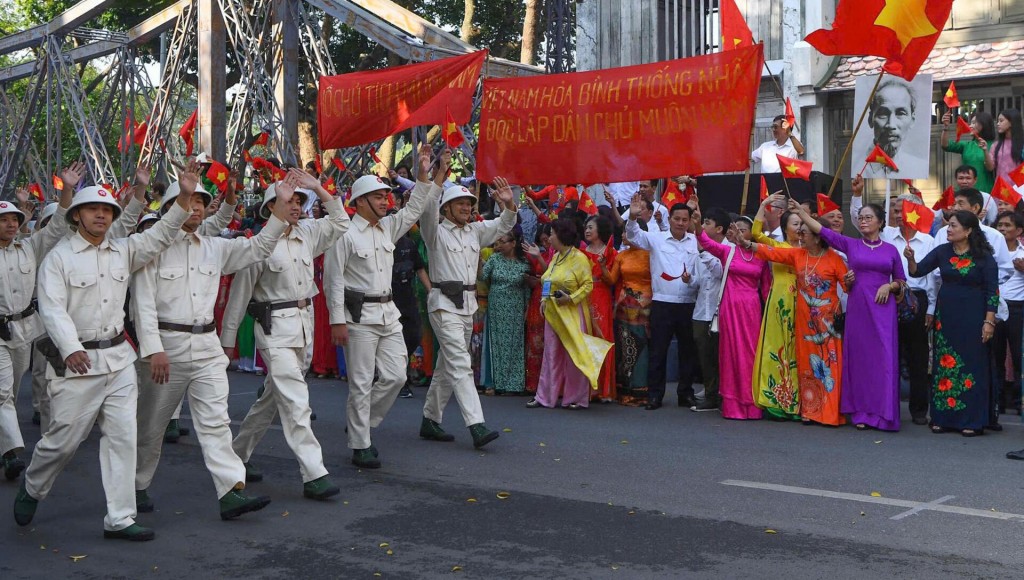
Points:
point(609, 492)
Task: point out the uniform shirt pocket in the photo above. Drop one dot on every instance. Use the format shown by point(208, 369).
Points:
point(171, 273)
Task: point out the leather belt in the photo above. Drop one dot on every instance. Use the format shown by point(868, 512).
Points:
point(379, 299)
point(466, 287)
point(292, 304)
point(21, 315)
point(189, 328)
point(106, 343)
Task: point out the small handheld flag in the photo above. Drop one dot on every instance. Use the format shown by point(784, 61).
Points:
point(917, 216)
point(794, 168)
point(950, 98)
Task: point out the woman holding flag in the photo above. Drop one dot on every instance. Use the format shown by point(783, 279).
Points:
point(972, 151)
point(775, 379)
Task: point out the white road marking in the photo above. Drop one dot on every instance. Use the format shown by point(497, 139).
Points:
point(921, 507)
point(912, 506)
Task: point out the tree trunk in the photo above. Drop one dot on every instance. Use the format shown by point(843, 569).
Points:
point(467, 21)
point(530, 37)
point(386, 152)
point(307, 143)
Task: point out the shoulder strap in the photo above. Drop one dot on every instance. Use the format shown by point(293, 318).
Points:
point(725, 276)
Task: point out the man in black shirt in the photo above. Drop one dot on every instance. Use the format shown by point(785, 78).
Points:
point(408, 265)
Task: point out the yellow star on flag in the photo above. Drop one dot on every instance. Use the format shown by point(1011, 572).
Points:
point(949, 93)
point(907, 18)
point(879, 159)
point(451, 128)
point(912, 217)
point(792, 168)
point(221, 176)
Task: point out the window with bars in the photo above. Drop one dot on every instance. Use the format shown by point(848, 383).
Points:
point(691, 27)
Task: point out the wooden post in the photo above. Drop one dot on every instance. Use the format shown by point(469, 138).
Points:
point(212, 64)
point(286, 73)
point(846, 153)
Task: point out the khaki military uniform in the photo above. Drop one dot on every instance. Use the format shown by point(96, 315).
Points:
point(82, 289)
point(363, 260)
point(180, 288)
point(454, 254)
point(287, 276)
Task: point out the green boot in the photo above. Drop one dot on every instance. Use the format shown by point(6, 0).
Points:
point(143, 504)
point(320, 488)
point(432, 431)
point(252, 474)
point(366, 458)
point(133, 533)
point(12, 466)
point(24, 507)
point(172, 434)
point(482, 435)
point(235, 503)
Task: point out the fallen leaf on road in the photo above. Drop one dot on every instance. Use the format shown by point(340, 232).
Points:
point(376, 573)
point(770, 531)
point(456, 568)
point(543, 444)
point(557, 459)
point(614, 567)
point(503, 495)
point(284, 515)
point(471, 500)
point(624, 442)
point(77, 558)
point(507, 430)
point(41, 547)
point(178, 513)
point(877, 442)
point(862, 513)
point(390, 552)
point(875, 494)
point(384, 544)
point(344, 503)
point(631, 513)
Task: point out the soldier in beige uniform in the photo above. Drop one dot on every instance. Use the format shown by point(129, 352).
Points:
point(40, 400)
point(19, 323)
point(364, 319)
point(282, 289)
point(453, 251)
point(82, 286)
point(180, 350)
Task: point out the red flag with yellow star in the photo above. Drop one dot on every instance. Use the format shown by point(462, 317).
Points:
point(1017, 175)
point(794, 168)
point(673, 195)
point(790, 115)
point(339, 164)
point(218, 174)
point(58, 184)
point(331, 187)
point(1005, 192)
point(962, 128)
point(917, 216)
point(950, 98)
point(735, 32)
point(451, 134)
point(947, 200)
point(188, 133)
point(587, 205)
point(901, 31)
point(880, 157)
point(825, 204)
point(37, 192)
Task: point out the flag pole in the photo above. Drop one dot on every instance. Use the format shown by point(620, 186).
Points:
point(785, 183)
point(846, 153)
point(746, 174)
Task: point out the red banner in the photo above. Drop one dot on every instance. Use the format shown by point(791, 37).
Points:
point(682, 117)
point(363, 107)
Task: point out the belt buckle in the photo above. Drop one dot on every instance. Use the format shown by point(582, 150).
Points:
point(105, 343)
point(301, 303)
point(197, 329)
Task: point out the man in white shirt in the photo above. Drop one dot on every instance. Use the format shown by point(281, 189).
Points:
point(674, 257)
point(658, 222)
point(785, 143)
point(709, 278)
point(967, 178)
point(1009, 332)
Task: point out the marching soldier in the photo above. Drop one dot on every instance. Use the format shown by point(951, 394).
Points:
point(82, 287)
point(40, 400)
point(19, 324)
point(364, 318)
point(282, 289)
point(181, 352)
point(453, 252)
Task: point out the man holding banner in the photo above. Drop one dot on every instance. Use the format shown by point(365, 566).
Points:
point(453, 250)
point(364, 318)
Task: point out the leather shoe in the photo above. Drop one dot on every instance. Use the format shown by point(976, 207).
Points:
point(687, 401)
point(24, 507)
point(133, 533)
point(365, 458)
point(652, 405)
point(321, 488)
point(143, 504)
point(482, 435)
point(252, 474)
point(12, 466)
point(1019, 455)
point(703, 406)
point(235, 503)
point(994, 427)
point(432, 431)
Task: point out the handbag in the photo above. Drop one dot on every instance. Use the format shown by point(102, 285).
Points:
point(907, 306)
point(713, 327)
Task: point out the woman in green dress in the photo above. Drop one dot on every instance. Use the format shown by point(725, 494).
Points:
point(505, 272)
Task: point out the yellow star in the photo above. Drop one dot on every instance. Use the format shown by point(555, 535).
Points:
point(452, 128)
point(879, 159)
point(907, 18)
point(792, 168)
point(949, 93)
point(912, 217)
point(736, 42)
point(221, 176)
